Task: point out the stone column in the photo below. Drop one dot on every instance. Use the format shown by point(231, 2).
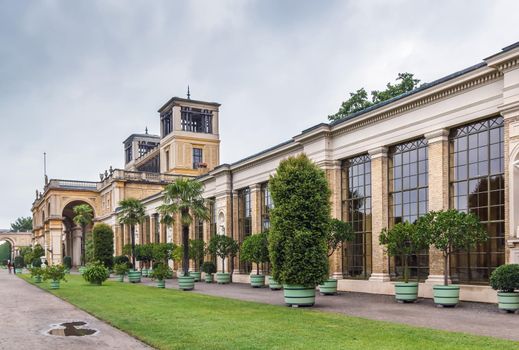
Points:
point(438, 153)
point(380, 214)
point(255, 198)
point(56, 232)
point(77, 236)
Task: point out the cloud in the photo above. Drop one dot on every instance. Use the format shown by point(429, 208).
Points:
point(76, 78)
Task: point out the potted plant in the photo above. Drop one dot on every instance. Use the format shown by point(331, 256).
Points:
point(196, 253)
point(183, 198)
point(449, 231)
point(18, 264)
point(96, 273)
point(208, 268)
point(223, 247)
point(145, 255)
point(55, 273)
point(160, 273)
point(120, 270)
point(255, 249)
point(403, 240)
point(36, 274)
point(131, 212)
point(339, 232)
point(299, 227)
point(505, 279)
point(67, 262)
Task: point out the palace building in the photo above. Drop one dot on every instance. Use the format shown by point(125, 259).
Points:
point(452, 143)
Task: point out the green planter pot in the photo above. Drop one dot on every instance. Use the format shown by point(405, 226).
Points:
point(134, 276)
point(54, 284)
point(257, 281)
point(18, 270)
point(197, 275)
point(81, 270)
point(161, 284)
point(328, 287)
point(297, 295)
point(120, 278)
point(446, 295)
point(144, 272)
point(223, 278)
point(37, 279)
point(273, 284)
point(508, 301)
point(186, 282)
point(406, 292)
point(208, 278)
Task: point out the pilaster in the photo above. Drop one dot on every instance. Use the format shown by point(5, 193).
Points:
point(380, 214)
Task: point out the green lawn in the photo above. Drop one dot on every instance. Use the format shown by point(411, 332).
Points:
point(171, 319)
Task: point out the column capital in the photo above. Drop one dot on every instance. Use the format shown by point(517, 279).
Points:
point(255, 187)
point(378, 152)
point(439, 135)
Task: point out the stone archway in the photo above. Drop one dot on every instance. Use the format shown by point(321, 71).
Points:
point(72, 234)
point(6, 249)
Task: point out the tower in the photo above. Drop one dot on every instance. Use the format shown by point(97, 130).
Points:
point(189, 140)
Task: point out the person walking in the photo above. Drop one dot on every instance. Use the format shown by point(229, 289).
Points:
point(9, 266)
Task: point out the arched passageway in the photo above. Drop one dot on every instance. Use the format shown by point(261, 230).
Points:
point(6, 250)
point(73, 235)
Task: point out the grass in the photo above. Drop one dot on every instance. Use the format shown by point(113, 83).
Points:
point(172, 319)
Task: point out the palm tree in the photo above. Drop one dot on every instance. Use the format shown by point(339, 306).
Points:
point(83, 215)
point(184, 197)
point(131, 213)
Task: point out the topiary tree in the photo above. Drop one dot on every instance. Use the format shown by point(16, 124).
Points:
point(223, 247)
point(36, 262)
point(96, 273)
point(162, 252)
point(299, 223)
point(197, 251)
point(103, 247)
point(255, 249)
point(449, 231)
point(403, 240)
point(505, 278)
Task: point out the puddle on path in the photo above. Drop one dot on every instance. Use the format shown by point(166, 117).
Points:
point(70, 329)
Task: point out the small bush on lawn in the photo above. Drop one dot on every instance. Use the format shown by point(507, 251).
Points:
point(96, 273)
point(121, 268)
point(54, 273)
point(505, 278)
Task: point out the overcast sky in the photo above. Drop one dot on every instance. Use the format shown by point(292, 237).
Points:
point(77, 77)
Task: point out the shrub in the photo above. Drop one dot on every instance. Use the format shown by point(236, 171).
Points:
point(89, 248)
point(505, 278)
point(300, 222)
point(223, 247)
point(27, 256)
point(36, 271)
point(197, 251)
point(209, 267)
point(96, 273)
point(403, 240)
point(19, 262)
point(144, 253)
point(103, 238)
point(122, 259)
point(255, 249)
point(121, 268)
point(38, 251)
point(54, 272)
point(160, 272)
point(449, 231)
point(67, 261)
point(36, 262)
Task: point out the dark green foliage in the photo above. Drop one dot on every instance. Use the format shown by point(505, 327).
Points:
point(338, 233)
point(5, 250)
point(121, 268)
point(67, 261)
point(255, 249)
point(162, 252)
point(89, 249)
point(449, 231)
point(223, 247)
point(127, 250)
point(122, 259)
point(36, 262)
point(131, 213)
point(96, 273)
point(197, 251)
point(36, 271)
point(54, 273)
point(4, 262)
point(299, 222)
point(144, 253)
point(505, 278)
point(359, 101)
point(403, 240)
point(38, 251)
point(209, 267)
point(18, 262)
point(22, 224)
point(103, 237)
point(161, 272)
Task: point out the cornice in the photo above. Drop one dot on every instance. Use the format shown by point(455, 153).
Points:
point(424, 100)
